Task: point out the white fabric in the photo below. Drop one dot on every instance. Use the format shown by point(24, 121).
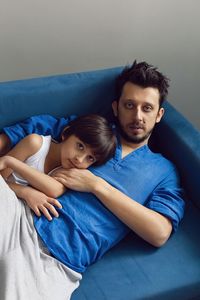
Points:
point(35, 161)
point(27, 271)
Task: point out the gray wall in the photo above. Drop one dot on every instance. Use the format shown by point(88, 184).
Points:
point(44, 37)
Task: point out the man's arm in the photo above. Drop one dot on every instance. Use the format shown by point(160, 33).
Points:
point(148, 224)
point(41, 124)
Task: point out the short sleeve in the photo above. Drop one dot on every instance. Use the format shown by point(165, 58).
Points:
point(168, 199)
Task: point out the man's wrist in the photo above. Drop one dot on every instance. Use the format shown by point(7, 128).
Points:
point(100, 186)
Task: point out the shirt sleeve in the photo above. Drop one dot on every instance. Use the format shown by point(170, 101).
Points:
point(41, 124)
point(168, 199)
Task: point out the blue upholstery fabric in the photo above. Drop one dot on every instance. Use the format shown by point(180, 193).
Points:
point(58, 95)
point(133, 270)
point(180, 142)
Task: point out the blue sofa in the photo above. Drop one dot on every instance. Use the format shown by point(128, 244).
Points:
point(132, 270)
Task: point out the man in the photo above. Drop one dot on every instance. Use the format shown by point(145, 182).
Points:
point(137, 189)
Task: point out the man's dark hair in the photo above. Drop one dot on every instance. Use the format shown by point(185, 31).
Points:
point(94, 131)
point(144, 75)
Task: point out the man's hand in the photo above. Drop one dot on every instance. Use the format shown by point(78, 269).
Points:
point(76, 179)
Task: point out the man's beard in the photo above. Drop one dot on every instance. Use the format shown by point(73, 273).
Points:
point(131, 138)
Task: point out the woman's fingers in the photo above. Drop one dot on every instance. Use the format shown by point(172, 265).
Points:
point(54, 202)
point(47, 209)
point(45, 212)
point(51, 209)
point(36, 211)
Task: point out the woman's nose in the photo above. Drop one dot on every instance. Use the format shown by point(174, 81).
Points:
point(79, 158)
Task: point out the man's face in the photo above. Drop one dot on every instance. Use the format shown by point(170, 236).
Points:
point(137, 112)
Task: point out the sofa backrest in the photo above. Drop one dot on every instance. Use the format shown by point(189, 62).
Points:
point(93, 91)
point(60, 95)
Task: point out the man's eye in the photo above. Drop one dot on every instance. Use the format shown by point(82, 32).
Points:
point(80, 146)
point(129, 105)
point(147, 108)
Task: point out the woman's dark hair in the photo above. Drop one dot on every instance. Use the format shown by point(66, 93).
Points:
point(144, 75)
point(94, 131)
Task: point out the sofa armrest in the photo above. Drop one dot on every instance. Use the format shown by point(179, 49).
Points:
point(179, 141)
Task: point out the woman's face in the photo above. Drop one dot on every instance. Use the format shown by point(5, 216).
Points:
point(76, 154)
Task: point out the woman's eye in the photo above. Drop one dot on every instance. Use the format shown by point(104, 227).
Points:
point(80, 146)
point(91, 159)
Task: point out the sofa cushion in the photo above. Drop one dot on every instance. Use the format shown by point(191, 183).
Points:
point(134, 270)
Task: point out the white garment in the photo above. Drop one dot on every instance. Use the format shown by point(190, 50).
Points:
point(35, 161)
point(27, 271)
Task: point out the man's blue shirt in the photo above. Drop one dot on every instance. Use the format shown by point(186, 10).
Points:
point(86, 229)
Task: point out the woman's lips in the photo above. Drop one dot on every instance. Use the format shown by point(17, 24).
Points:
point(72, 165)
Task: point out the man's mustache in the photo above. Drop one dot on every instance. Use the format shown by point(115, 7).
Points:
point(136, 126)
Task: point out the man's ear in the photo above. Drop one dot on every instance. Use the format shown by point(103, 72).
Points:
point(160, 114)
point(115, 108)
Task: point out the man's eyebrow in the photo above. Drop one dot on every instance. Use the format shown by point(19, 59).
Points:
point(128, 99)
point(134, 101)
point(149, 103)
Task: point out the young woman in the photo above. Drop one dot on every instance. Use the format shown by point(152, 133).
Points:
point(87, 140)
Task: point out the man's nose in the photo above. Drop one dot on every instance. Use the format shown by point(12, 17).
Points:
point(138, 114)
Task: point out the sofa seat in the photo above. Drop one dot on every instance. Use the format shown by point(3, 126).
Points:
point(134, 270)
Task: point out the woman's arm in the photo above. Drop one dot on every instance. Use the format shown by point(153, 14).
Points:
point(14, 162)
point(36, 200)
point(35, 178)
point(24, 149)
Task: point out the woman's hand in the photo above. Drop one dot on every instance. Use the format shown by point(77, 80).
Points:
point(5, 169)
point(76, 179)
point(40, 203)
point(4, 161)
